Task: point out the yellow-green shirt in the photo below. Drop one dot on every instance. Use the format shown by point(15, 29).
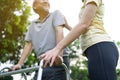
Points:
point(96, 32)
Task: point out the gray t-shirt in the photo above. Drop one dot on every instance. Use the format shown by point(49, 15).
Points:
point(43, 35)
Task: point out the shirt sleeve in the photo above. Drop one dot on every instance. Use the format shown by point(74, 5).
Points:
point(97, 2)
point(28, 35)
point(58, 18)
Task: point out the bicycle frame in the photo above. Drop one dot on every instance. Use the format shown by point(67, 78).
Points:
point(32, 69)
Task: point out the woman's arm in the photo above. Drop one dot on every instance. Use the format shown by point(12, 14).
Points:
point(81, 27)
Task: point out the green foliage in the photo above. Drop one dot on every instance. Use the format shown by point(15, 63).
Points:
point(31, 60)
point(79, 68)
point(118, 43)
point(13, 21)
point(73, 49)
point(118, 74)
point(79, 74)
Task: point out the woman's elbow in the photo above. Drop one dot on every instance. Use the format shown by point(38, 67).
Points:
point(84, 25)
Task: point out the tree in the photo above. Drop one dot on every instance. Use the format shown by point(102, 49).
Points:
point(13, 21)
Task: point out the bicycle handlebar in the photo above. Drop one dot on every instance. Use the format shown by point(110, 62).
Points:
point(31, 69)
point(19, 71)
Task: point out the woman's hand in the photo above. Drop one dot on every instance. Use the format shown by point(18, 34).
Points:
point(50, 56)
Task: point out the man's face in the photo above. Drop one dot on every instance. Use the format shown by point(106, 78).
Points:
point(41, 5)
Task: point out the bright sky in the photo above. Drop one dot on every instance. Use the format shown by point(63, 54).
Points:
point(71, 8)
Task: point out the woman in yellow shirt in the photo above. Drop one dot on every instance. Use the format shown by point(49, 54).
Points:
point(96, 44)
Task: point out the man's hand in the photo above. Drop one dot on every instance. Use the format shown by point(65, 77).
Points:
point(58, 61)
point(50, 56)
point(16, 67)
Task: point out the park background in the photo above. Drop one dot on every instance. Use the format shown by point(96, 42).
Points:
point(16, 15)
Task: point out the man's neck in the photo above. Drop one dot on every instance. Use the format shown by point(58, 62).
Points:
point(43, 16)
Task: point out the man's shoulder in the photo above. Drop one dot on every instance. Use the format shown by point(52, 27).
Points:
point(57, 11)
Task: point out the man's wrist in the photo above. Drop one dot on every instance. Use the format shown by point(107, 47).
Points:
point(20, 64)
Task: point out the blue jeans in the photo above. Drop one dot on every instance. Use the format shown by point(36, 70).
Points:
point(102, 61)
point(55, 72)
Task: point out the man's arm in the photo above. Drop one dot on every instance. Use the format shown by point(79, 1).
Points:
point(67, 26)
point(26, 51)
point(59, 35)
